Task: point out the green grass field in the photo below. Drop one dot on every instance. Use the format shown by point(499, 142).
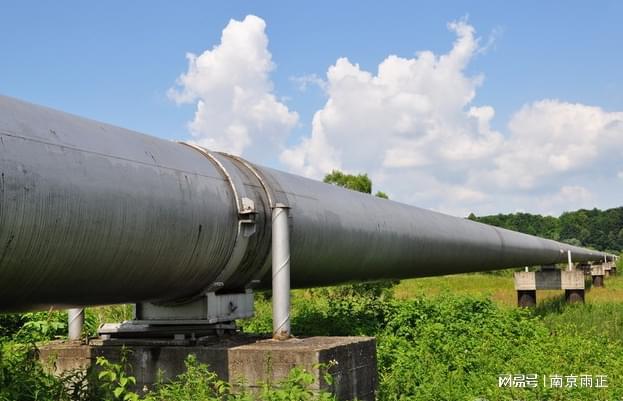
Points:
point(499, 288)
point(601, 314)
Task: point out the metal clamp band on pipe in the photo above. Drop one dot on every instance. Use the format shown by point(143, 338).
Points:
point(271, 195)
point(260, 178)
point(281, 272)
point(245, 207)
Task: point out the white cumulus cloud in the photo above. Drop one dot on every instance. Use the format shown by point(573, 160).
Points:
point(413, 114)
point(236, 110)
point(414, 125)
point(550, 139)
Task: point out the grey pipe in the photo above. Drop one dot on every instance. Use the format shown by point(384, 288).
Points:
point(96, 214)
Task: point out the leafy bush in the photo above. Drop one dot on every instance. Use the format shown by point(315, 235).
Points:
point(34, 326)
point(454, 347)
point(447, 347)
point(22, 377)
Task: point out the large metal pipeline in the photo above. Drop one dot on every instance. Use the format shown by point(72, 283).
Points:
point(95, 214)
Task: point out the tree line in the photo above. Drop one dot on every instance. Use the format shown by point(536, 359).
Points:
point(598, 229)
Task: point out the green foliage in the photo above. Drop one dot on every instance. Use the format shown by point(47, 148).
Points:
point(296, 387)
point(41, 326)
point(446, 347)
point(454, 347)
point(114, 382)
point(33, 326)
point(352, 309)
point(10, 323)
point(381, 194)
point(95, 317)
point(599, 229)
point(22, 377)
point(197, 383)
point(360, 182)
point(382, 289)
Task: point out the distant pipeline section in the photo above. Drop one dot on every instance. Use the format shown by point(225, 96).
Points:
point(95, 214)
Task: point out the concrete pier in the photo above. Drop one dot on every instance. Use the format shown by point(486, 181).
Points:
point(237, 359)
point(597, 273)
point(609, 268)
point(527, 284)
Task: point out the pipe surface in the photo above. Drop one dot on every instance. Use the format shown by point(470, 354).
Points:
point(96, 214)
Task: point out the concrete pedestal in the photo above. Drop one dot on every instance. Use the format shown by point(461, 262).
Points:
point(607, 268)
point(598, 272)
point(237, 359)
point(585, 267)
point(527, 284)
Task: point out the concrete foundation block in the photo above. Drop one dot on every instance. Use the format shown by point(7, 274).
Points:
point(66, 356)
point(243, 361)
point(550, 280)
point(597, 270)
point(352, 362)
point(527, 284)
point(607, 268)
point(585, 267)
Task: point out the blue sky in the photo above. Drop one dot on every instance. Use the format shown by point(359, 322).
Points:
point(115, 61)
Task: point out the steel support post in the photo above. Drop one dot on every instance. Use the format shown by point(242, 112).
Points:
point(75, 322)
point(281, 272)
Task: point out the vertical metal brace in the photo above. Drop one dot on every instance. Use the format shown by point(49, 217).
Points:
point(570, 267)
point(75, 322)
point(281, 272)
